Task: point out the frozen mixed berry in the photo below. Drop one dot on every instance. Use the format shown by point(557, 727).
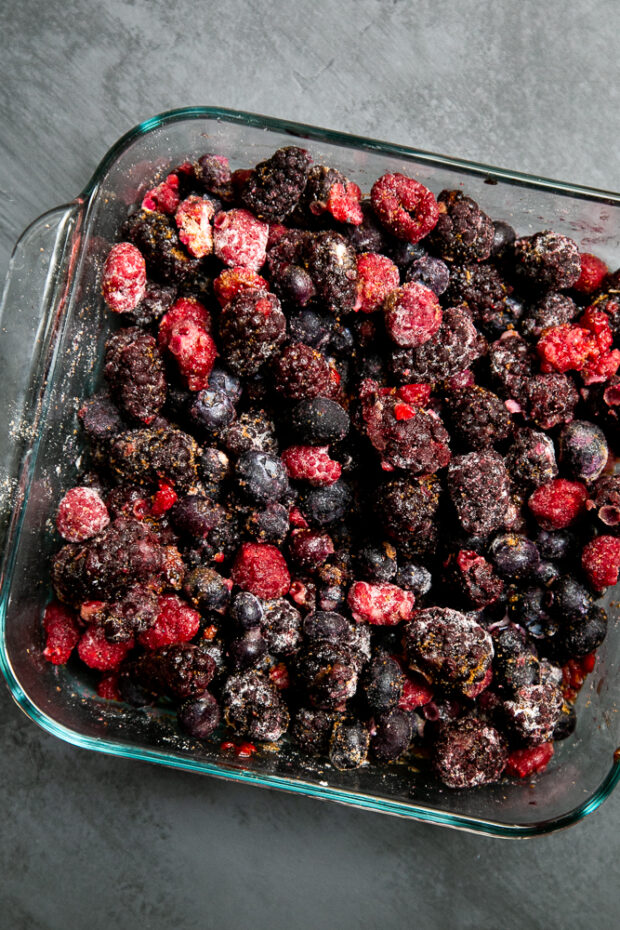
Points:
point(415, 578)
point(62, 633)
point(531, 459)
point(135, 612)
point(463, 233)
point(514, 556)
point(212, 411)
point(163, 198)
point(369, 235)
point(253, 707)
point(484, 291)
point(381, 604)
point(332, 266)
point(262, 570)
point(430, 272)
point(329, 672)
point(504, 235)
point(193, 218)
point(206, 589)
point(309, 549)
point(391, 735)
point(378, 563)
point(275, 186)
point(558, 503)
point(96, 652)
point(328, 504)
point(100, 419)
point(311, 464)
point(232, 281)
point(583, 450)
point(406, 510)
point(281, 627)
point(534, 712)
point(81, 514)
point(246, 611)
point(176, 622)
point(600, 561)
point(412, 314)
point(196, 515)
point(469, 753)
point(213, 174)
point(383, 682)
point(262, 476)
point(200, 717)
point(319, 421)
point(156, 236)
point(327, 190)
point(481, 492)
point(580, 636)
point(135, 372)
point(377, 276)
point(550, 400)
point(405, 207)
point(239, 239)
point(124, 278)
point(511, 362)
point(270, 524)
point(246, 651)
point(144, 456)
point(478, 418)
point(454, 347)
point(529, 761)
point(552, 310)
point(515, 665)
point(348, 745)
point(252, 326)
point(252, 429)
point(312, 729)
point(180, 670)
point(605, 500)
point(301, 372)
point(567, 348)
point(547, 259)
point(472, 579)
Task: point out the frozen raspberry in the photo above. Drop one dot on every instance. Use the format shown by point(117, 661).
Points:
point(107, 687)
point(379, 604)
point(195, 353)
point(534, 712)
point(525, 762)
point(548, 260)
point(124, 278)
point(252, 326)
point(558, 503)
point(406, 509)
point(95, 651)
point(417, 394)
point(480, 489)
point(311, 464)
point(566, 348)
point(81, 514)
point(454, 347)
point(156, 236)
point(213, 174)
point(552, 310)
point(145, 456)
point(478, 417)
point(469, 753)
point(377, 275)
point(412, 315)
point(301, 372)
point(253, 707)
point(404, 206)
point(193, 218)
point(429, 271)
point(176, 622)
point(462, 233)
point(165, 197)
point(601, 561)
point(135, 372)
point(276, 184)
point(327, 190)
point(550, 400)
point(62, 633)
point(416, 692)
point(240, 239)
point(261, 569)
point(593, 273)
point(331, 264)
point(232, 281)
point(310, 549)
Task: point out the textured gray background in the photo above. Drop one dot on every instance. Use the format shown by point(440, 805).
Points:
point(97, 842)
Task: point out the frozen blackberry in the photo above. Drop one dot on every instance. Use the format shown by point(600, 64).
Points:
point(515, 665)
point(135, 372)
point(478, 418)
point(329, 674)
point(312, 729)
point(583, 450)
point(300, 372)
point(100, 419)
point(206, 589)
point(212, 172)
point(404, 435)
point(383, 682)
point(252, 706)
point(252, 326)
point(319, 421)
point(262, 476)
point(454, 347)
point(553, 309)
point(348, 745)
point(135, 612)
point(199, 717)
point(391, 735)
point(606, 500)
point(212, 410)
point(253, 430)
point(328, 191)
point(511, 361)
point(195, 515)
point(463, 233)
point(551, 400)
point(331, 263)
point(323, 506)
point(482, 289)
point(531, 459)
point(451, 649)
point(534, 712)
point(143, 456)
point(514, 556)
point(276, 184)
point(156, 236)
point(179, 671)
point(547, 260)
point(281, 627)
point(157, 300)
point(429, 271)
point(469, 753)
point(406, 511)
point(269, 525)
point(480, 490)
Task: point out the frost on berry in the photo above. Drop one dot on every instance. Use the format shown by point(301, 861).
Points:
point(262, 570)
point(81, 514)
point(232, 281)
point(96, 652)
point(558, 503)
point(184, 332)
point(176, 622)
point(164, 198)
point(377, 276)
point(404, 206)
point(62, 633)
point(240, 239)
point(601, 561)
point(412, 314)
point(124, 278)
point(381, 604)
point(193, 218)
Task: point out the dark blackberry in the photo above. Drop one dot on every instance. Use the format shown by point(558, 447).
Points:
point(144, 456)
point(477, 417)
point(262, 476)
point(383, 682)
point(126, 500)
point(480, 490)
point(531, 459)
point(157, 300)
point(269, 525)
point(206, 589)
point(319, 421)
point(534, 712)
point(276, 184)
point(454, 347)
point(314, 202)
point(552, 310)
point(548, 260)
point(514, 665)
point(199, 717)
point(135, 372)
point(135, 612)
point(482, 289)
point(377, 563)
point(323, 506)
point(348, 745)
point(100, 419)
point(156, 236)
point(463, 233)
point(469, 753)
point(300, 372)
point(429, 271)
point(514, 556)
point(511, 361)
point(253, 707)
point(213, 469)
point(212, 411)
point(246, 610)
point(406, 511)
point(414, 578)
point(405, 436)
point(551, 400)
point(369, 236)
point(246, 651)
point(253, 430)
point(328, 673)
point(583, 450)
point(392, 735)
point(252, 326)
point(311, 730)
point(281, 627)
point(605, 496)
point(330, 261)
point(212, 173)
point(179, 671)
point(195, 515)
point(503, 236)
point(581, 636)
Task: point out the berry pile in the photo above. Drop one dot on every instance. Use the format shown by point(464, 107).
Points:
point(350, 472)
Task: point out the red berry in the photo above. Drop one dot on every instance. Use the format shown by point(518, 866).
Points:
point(381, 604)
point(193, 218)
point(403, 412)
point(566, 348)
point(163, 499)
point(311, 464)
point(195, 352)
point(377, 275)
point(597, 323)
point(412, 314)
point(558, 503)
point(417, 394)
point(416, 692)
point(524, 762)
point(240, 239)
point(62, 633)
point(602, 368)
point(183, 310)
point(108, 687)
point(123, 282)
point(404, 206)
point(234, 280)
point(343, 202)
point(309, 548)
point(164, 198)
point(93, 611)
point(601, 561)
point(95, 651)
point(261, 569)
point(593, 270)
point(81, 514)
point(176, 623)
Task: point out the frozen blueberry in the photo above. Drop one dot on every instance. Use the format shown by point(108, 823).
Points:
point(213, 468)
point(323, 506)
point(200, 716)
point(429, 271)
point(196, 515)
point(206, 589)
point(225, 382)
point(383, 682)
point(571, 600)
point(514, 556)
point(503, 235)
point(582, 636)
point(414, 578)
point(392, 735)
point(247, 651)
point(246, 610)
point(378, 563)
point(310, 327)
point(270, 524)
point(212, 410)
point(320, 421)
point(556, 544)
point(262, 476)
point(348, 747)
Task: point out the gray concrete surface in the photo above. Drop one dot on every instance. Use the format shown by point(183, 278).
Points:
point(96, 842)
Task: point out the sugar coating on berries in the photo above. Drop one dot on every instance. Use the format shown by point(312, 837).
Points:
point(412, 314)
point(558, 503)
point(62, 633)
point(405, 207)
point(469, 753)
point(534, 712)
point(81, 514)
point(480, 489)
point(454, 347)
point(261, 569)
point(312, 464)
point(600, 561)
point(96, 652)
point(231, 281)
point(240, 239)
point(381, 604)
point(377, 276)
point(274, 187)
point(193, 217)
point(593, 271)
point(124, 278)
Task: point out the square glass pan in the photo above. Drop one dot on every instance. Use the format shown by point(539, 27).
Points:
point(53, 331)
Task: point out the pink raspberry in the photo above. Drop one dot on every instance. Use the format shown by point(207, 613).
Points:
point(412, 314)
point(62, 633)
point(195, 352)
point(123, 283)
point(404, 206)
point(343, 202)
point(524, 762)
point(240, 239)
point(95, 651)
point(183, 310)
point(164, 198)
point(416, 394)
point(381, 604)
point(312, 464)
point(602, 368)
point(377, 275)
point(601, 561)
point(193, 218)
point(593, 270)
point(234, 280)
point(416, 692)
point(262, 570)
point(176, 623)
point(567, 347)
point(597, 323)
point(108, 687)
point(81, 514)
point(558, 503)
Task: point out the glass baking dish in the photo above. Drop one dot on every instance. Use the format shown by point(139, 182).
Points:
point(53, 331)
